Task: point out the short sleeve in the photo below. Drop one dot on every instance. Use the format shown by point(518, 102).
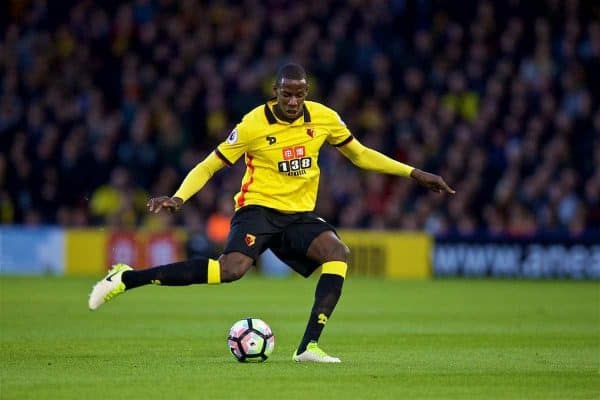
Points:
point(339, 134)
point(234, 146)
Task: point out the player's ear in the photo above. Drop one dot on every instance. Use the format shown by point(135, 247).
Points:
point(275, 90)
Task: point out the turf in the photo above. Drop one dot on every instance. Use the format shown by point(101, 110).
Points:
point(445, 339)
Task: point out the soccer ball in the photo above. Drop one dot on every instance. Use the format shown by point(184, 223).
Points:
point(251, 340)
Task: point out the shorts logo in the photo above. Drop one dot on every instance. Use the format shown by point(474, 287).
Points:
point(233, 137)
point(250, 239)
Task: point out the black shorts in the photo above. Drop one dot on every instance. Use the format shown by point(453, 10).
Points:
point(255, 229)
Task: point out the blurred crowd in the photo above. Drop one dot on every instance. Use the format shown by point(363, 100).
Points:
point(105, 103)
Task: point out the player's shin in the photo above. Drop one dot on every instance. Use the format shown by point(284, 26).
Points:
point(201, 270)
point(327, 294)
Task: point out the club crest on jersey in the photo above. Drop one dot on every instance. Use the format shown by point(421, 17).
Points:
point(310, 132)
point(250, 239)
point(233, 137)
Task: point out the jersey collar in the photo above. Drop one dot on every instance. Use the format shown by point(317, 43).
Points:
point(273, 120)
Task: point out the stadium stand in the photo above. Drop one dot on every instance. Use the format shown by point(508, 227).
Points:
point(104, 103)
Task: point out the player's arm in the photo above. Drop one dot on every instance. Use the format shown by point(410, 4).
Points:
point(372, 160)
point(369, 159)
point(193, 182)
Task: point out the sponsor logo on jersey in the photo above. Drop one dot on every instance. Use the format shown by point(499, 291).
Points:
point(271, 140)
point(250, 239)
point(293, 152)
point(295, 161)
point(310, 132)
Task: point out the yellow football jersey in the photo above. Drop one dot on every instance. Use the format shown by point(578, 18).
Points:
point(281, 157)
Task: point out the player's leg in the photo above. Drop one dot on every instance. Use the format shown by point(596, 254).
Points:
point(121, 277)
point(329, 251)
point(249, 232)
point(308, 243)
point(228, 268)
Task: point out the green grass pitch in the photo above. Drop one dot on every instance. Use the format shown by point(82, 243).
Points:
point(440, 339)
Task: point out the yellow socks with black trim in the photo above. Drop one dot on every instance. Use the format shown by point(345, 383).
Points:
point(327, 294)
point(201, 270)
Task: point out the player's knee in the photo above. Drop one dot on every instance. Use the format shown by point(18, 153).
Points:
point(346, 251)
point(232, 272)
point(233, 267)
point(338, 252)
point(229, 274)
point(328, 247)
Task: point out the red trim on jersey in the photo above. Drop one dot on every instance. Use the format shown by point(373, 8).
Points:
point(242, 198)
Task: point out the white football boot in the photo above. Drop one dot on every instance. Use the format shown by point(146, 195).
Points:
point(314, 354)
point(109, 287)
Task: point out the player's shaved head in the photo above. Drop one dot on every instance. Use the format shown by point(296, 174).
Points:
point(290, 90)
point(290, 72)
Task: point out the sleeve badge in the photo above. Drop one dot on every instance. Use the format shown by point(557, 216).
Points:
point(233, 137)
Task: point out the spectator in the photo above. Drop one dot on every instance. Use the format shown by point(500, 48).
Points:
point(118, 203)
point(498, 97)
point(217, 225)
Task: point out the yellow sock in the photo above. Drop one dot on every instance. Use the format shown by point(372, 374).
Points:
point(335, 268)
point(214, 272)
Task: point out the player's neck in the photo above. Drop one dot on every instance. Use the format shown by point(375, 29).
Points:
point(280, 115)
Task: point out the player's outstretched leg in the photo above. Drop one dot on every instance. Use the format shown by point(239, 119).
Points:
point(327, 294)
point(122, 277)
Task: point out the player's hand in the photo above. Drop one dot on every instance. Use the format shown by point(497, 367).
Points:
point(431, 181)
point(158, 203)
